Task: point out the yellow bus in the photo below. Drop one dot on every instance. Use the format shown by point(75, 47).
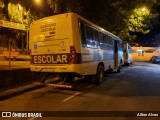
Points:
point(128, 54)
point(71, 46)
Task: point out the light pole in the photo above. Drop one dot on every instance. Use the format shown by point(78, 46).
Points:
point(27, 43)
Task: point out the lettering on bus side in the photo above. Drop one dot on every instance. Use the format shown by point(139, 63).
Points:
point(51, 59)
point(48, 27)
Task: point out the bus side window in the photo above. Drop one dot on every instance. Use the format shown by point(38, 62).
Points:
point(89, 37)
point(82, 32)
point(110, 42)
point(106, 45)
point(100, 40)
point(95, 37)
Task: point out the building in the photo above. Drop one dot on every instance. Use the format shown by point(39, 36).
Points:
point(13, 37)
point(145, 53)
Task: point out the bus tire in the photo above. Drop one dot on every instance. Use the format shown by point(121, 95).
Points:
point(100, 74)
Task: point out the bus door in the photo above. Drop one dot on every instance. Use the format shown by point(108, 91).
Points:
point(115, 54)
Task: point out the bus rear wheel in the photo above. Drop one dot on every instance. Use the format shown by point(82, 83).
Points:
point(100, 74)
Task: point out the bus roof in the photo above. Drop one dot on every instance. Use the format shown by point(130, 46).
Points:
point(78, 16)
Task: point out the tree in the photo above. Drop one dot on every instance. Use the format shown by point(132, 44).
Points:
point(15, 12)
point(117, 16)
point(126, 18)
point(61, 6)
point(2, 14)
point(120, 17)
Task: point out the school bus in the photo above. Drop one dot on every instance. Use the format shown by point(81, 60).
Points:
point(71, 46)
point(128, 54)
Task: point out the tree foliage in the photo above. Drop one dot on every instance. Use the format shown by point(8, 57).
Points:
point(117, 16)
point(2, 14)
point(120, 17)
point(15, 11)
point(60, 6)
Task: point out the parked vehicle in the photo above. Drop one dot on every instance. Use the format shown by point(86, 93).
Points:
point(155, 59)
point(127, 52)
point(70, 46)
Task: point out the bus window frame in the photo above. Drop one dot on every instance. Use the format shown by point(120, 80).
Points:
point(84, 41)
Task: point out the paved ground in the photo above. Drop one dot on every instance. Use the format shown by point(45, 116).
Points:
point(136, 88)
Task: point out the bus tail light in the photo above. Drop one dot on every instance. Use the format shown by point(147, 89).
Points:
point(73, 55)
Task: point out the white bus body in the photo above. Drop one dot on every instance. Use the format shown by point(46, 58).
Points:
point(70, 44)
point(128, 55)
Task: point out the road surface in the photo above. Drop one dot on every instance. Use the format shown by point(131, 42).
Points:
point(136, 88)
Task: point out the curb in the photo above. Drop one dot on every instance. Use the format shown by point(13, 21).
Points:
point(6, 94)
point(17, 91)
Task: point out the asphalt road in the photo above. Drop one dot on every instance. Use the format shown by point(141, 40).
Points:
point(136, 88)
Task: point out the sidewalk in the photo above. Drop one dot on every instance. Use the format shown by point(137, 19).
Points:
point(12, 79)
point(8, 93)
point(5, 94)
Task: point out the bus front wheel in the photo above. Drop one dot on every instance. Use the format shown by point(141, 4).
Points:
point(100, 74)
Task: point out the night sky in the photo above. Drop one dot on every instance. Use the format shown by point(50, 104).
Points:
point(148, 39)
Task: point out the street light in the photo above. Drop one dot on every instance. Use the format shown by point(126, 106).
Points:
point(144, 8)
point(149, 10)
point(27, 44)
point(38, 1)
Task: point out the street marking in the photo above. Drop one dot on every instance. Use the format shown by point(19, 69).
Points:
point(32, 118)
point(71, 96)
point(90, 86)
point(135, 67)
